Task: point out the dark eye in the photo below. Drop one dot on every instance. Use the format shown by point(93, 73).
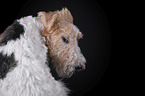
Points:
point(64, 39)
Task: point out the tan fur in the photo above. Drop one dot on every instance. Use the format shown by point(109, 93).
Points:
point(66, 56)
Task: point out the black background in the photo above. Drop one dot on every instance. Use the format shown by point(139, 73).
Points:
point(95, 20)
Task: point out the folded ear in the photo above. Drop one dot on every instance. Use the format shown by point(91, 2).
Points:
point(65, 13)
point(48, 20)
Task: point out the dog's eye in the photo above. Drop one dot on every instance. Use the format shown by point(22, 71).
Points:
point(64, 39)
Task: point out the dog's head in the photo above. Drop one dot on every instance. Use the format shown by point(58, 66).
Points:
point(62, 40)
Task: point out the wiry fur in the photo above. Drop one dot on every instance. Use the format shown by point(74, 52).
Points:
point(31, 76)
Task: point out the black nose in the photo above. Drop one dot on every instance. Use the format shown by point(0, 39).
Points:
point(78, 68)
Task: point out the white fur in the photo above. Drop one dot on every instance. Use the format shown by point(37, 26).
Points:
point(31, 76)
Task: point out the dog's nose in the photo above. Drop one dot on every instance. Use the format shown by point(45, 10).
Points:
point(78, 68)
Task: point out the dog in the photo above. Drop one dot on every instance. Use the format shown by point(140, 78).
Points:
point(27, 45)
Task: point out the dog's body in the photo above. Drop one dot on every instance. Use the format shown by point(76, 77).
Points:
point(23, 54)
point(31, 76)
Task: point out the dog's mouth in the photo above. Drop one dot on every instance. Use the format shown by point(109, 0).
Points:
point(79, 68)
point(68, 71)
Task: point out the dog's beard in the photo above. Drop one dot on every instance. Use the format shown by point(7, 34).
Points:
point(64, 72)
point(64, 69)
point(67, 68)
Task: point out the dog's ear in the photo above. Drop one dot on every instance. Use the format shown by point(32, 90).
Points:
point(49, 21)
point(65, 13)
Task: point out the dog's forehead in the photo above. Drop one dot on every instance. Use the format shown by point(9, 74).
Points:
point(69, 30)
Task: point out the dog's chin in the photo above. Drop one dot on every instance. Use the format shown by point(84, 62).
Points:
point(65, 72)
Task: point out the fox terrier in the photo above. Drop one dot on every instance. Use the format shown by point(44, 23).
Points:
point(27, 45)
